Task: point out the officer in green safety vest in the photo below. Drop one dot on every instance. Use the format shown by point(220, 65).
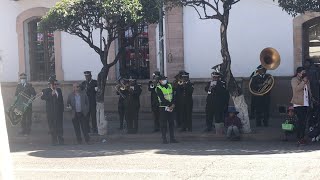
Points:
point(166, 105)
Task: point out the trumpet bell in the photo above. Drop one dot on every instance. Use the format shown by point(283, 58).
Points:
point(270, 58)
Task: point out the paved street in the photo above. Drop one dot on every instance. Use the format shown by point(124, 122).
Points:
point(152, 160)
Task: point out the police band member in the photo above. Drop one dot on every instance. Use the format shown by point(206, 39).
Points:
point(261, 103)
point(166, 105)
point(132, 94)
point(121, 108)
point(27, 89)
point(154, 100)
point(90, 87)
point(217, 102)
point(184, 102)
point(54, 108)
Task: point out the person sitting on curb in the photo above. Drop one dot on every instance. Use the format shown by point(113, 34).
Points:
point(290, 119)
point(233, 124)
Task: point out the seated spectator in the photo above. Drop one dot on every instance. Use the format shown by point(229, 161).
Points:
point(233, 124)
point(288, 124)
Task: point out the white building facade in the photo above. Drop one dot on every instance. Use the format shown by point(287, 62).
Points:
point(190, 43)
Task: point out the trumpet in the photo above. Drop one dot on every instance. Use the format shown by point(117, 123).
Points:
point(212, 84)
point(183, 81)
point(153, 84)
point(121, 87)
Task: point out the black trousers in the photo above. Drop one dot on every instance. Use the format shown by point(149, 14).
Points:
point(56, 127)
point(156, 117)
point(166, 118)
point(121, 112)
point(185, 115)
point(80, 122)
point(301, 112)
point(262, 115)
point(26, 122)
point(131, 115)
point(218, 116)
point(92, 115)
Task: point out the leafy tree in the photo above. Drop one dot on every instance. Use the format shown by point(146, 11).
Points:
point(295, 7)
point(111, 18)
point(220, 10)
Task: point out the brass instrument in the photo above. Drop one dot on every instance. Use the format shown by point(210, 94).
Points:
point(270, 60)
point(19, 107)
point(153, 84)
point(121, 87)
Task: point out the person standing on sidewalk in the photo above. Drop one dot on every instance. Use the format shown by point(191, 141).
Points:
point(184, 101)
point(27, 89)
point(166, 105)
point(132, 105)
point(154, 100)
point(54, 108)
point(121, 108)
point(90, 87)
point(301, 101)
point(78, 101)
point(261, 103)
point(217, 103)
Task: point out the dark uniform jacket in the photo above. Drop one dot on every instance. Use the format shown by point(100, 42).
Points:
point(154, 96)
point(184, 92)
point(89, 88)
point(264, 100)
point(218, 100)
point(27, 89)
point(53, 105)
point(132, 96)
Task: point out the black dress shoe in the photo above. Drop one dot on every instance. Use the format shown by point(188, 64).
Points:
point(156, 130)
point(174, 141)
point(183, 130)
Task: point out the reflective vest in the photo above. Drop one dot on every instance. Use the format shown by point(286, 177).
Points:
point(167, 93)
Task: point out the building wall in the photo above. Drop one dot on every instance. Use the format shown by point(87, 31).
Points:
point(254, 25)
point(77, 57)
point(75, 53)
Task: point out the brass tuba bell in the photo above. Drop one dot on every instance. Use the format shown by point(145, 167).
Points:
point(270, 58)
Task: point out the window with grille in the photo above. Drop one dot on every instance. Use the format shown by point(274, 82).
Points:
point(135, 60)
point(311, 30)
point(41, 52)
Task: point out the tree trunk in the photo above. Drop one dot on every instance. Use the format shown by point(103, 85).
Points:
point(232, 86)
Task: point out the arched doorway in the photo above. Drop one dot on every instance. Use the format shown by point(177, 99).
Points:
point(39, 52)
point(39, 48)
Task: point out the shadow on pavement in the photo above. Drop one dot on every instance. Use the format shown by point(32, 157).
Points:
point(220, 148)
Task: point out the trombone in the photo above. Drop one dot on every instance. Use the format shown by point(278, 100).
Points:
point(121, 87)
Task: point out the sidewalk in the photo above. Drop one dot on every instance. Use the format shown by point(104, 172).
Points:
point(39, 134)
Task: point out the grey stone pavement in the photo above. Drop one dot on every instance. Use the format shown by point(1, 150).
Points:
point(260, 155)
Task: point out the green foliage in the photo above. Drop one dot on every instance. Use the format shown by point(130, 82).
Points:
point(295, 7)
point(82, 17)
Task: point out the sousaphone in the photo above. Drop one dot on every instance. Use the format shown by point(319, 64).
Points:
point(269, 59)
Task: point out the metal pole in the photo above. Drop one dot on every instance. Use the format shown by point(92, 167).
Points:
point(161, 40)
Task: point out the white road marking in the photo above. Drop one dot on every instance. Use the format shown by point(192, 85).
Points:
point(93, 170)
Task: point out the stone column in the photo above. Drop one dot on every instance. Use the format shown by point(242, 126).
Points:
point(174, 41)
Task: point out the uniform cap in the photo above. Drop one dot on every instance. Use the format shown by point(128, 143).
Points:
point(23, 76)
point(87, 73)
